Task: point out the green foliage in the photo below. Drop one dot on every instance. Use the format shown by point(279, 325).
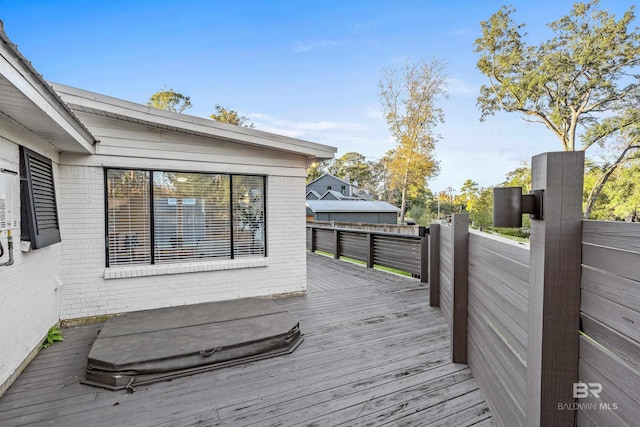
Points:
point(516, 232)
point(227, 115)
point(481, 209)
point(583, 81)
point(409, 96)
point(169, 100)
point(314, 171)
point(564, 82)
point(519, 177)
point(54, 335)
point(356, 168)
point(620, 197)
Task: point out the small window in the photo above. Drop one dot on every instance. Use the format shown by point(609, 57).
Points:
point(343, 189)
point(328, 187)
point(38, 212)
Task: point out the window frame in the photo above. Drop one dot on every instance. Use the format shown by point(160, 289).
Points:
point(152, 230)
point(32, 228)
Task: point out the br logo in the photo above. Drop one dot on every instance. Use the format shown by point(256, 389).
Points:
point(582, 390)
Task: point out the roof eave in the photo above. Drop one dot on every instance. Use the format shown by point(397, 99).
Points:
point(22, 75)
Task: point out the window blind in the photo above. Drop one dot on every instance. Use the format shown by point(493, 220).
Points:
point(191, 216)
point(248, 216)
point(128, 217)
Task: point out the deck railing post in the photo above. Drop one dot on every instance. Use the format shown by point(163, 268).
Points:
point(460, 267)
point(336, 244)
point(370, 253)
point(434, 265)
point(554, 289)
point(313, 239)
point(424, 254)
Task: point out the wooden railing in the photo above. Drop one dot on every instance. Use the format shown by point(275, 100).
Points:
point(404, 252)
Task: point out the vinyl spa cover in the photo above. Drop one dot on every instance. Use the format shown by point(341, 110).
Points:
point(153, 345)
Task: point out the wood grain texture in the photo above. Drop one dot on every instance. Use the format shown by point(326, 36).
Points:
point(619, 382)
point(460, 294)
point(624, 347)
point(434, 265)
point(621, 235)
point(497, 316)
point(554, 288)
point(374, 353)
point(620, 262)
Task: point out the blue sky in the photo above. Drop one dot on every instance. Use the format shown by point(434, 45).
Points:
point(307, 69)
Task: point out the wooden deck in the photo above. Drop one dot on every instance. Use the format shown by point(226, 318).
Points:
point(374, 353)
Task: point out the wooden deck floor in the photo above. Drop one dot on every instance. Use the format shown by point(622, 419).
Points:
point(374, 353)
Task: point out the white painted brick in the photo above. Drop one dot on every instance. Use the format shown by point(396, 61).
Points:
point(28, 296)
point(83, 255)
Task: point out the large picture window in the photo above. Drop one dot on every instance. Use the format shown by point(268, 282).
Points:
point(160, 217)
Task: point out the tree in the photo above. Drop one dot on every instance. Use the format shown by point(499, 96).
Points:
point(356, 168)
point(169, 100)
point(468, 194)
point(409, 96)
point(226, 115)
point(481, 209)
point(315, 170)
point(580, 82)
point(620, 198)
point(519, 177)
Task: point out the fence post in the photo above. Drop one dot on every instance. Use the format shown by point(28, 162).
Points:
point(460, 267)
point(370, 254)
point(424, 254)
point(434, 265)
point(313, 239)
point(336, 244)
point(554, 289)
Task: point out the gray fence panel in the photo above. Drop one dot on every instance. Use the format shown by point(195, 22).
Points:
point(498, 310)
point(610, 314)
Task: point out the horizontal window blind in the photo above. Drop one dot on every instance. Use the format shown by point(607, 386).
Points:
point(191, 216)
point(128, 217)
point(248, 216)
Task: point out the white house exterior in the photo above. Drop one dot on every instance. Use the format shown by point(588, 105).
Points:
point(105, 156)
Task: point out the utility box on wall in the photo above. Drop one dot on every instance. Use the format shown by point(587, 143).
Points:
point(9, 192)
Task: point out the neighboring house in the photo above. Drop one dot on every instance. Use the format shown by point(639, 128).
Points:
point(116, 206)
point(312, 195)
point(329, 182)
point(373, 212)
point(334, 195)
point(344, 202)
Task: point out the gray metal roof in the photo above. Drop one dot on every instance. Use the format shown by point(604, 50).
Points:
point(313, 193)
point(329, 175)
point(350, 206)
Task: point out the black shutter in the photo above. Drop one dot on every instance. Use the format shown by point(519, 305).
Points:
point(38, 212)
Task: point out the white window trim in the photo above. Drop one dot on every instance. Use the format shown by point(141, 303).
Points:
point(129, 271)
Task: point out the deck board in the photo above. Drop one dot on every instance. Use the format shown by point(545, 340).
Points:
point(374, 353)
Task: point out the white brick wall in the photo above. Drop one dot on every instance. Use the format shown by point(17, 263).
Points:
point(86, 292)
point(29, 298)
